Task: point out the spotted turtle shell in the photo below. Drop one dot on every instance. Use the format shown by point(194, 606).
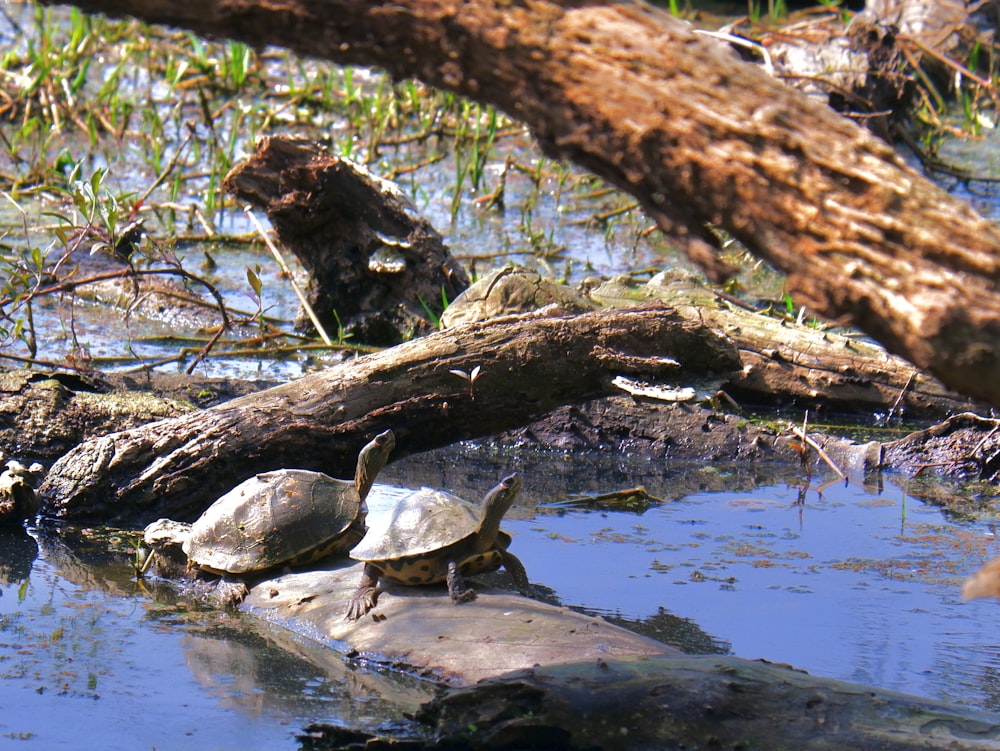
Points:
point(414, 539)
point(285, 517)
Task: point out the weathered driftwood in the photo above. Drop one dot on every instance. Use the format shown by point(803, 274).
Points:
point(865, 69)
point(375, 267)
point(424, 390)
point(698, 136)
point(546, 672)
point(419, 628)
point(658, 703)
point(783, 362)
point(45, 415)
point(965, 445)
point(175, 468)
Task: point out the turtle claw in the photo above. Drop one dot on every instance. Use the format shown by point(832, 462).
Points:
point(361, 604)
point(231, 592)
point(365, 596)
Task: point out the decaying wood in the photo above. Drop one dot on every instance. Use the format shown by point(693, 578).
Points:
point(176, 468)
point(375, 266)
point(964, 445)
point(655, 703)
point(866, 70)
point(424, 390)
point(698, 136)
point(524, 669)
point(45, 415)
point(783, 362)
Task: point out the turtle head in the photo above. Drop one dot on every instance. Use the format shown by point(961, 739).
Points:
point(371, 460)
point(495, 505)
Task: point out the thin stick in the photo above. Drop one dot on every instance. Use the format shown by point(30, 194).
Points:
point(284, 267)
point(816, 447)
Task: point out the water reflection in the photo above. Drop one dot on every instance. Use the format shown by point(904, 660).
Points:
point(262, 669)
point(850, 581)
point(18, 551)
point(126, 667)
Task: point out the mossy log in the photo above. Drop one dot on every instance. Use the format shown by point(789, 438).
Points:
point(698, 136)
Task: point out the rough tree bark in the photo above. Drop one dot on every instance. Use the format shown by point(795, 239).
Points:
point(698, 136)
point(176, 467)
point(374, 265)
point(182, 464)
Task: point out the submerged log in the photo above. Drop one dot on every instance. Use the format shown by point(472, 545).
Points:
point(657, 703)
point(699, 137)
point(419, 628)
point(522, 670)
point(565, 679)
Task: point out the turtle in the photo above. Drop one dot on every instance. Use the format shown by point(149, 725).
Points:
point(288, 517)
point(431, 536)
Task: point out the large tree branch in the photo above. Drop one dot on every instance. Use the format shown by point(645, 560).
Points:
point(697, 136)
point(177, 466)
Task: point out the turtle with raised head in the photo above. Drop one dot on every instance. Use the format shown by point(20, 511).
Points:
point(431, 536)
point(288, 517)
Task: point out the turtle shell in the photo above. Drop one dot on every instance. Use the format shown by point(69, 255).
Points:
point(290, 516)
point(420, 523)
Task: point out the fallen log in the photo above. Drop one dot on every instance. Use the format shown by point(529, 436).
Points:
point(699, 137)
point(176, 468)
point(784, 362)
point(656, 703)
point(522, 669)
point(431, 393)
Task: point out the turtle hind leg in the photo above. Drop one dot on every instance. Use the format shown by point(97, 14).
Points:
point(231, 592)
point(366, 595)
point(456, 585)
point(517, 572)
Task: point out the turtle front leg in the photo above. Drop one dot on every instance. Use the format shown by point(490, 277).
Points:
point(456, 585)
point(517, 572)
point(366, 595)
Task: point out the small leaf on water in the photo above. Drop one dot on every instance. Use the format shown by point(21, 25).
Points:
point(254, 279)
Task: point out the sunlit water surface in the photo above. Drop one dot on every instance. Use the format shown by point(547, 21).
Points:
point(848, 583)
point(845, 582)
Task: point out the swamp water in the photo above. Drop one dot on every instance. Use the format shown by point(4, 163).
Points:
point(850, 581)
point(846, 581)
